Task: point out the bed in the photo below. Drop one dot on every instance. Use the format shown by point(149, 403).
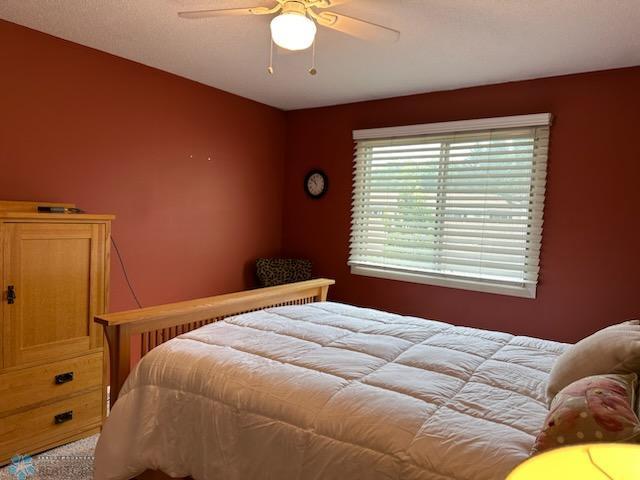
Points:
point(301, 388)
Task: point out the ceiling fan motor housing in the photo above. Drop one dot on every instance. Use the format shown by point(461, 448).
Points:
point(293, 6)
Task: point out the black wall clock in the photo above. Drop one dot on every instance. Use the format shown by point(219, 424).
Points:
point(316, 183)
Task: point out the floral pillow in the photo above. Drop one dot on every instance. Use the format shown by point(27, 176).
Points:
point(594, 409)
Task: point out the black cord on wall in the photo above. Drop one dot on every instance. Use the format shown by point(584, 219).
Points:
point(126, 276)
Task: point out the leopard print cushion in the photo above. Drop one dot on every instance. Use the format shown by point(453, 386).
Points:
point(276, 271)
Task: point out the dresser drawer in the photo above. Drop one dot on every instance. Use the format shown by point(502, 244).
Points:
point(46, 383)
point(26, 431)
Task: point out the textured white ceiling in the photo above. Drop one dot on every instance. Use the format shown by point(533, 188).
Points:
point(445, 44)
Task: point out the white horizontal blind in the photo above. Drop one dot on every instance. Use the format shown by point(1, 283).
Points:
point(463, 205)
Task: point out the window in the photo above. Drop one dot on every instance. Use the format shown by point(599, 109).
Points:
point(456, 204)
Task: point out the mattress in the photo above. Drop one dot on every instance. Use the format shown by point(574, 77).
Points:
point(330, 391)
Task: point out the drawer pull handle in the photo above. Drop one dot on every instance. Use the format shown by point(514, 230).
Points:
point(63, 417)
point(11, 294)
point(64, 378)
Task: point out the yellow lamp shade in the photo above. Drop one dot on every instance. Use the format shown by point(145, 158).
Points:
point(601, 461)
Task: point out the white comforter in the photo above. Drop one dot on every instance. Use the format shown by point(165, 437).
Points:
point(327, 391)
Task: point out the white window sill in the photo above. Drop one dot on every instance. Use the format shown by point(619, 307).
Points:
point(519, 290)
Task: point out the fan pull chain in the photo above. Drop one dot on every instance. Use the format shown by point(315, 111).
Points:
point(270, 68)
point(312, 70)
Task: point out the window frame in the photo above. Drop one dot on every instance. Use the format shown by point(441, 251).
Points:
point(524, 290)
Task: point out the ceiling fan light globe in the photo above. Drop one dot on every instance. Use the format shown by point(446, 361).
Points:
point(293, 31)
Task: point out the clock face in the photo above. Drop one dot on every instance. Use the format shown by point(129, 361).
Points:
point(316, 183)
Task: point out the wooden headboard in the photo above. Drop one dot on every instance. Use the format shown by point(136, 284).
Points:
point(155, 325)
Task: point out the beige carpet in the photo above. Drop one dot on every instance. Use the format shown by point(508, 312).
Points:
point(69, 462)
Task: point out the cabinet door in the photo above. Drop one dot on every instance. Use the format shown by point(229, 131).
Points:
point(57, 275)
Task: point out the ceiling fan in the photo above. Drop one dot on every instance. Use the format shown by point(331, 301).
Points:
point(294, 26)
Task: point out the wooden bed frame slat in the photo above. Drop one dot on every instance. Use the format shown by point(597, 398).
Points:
point(156, 325)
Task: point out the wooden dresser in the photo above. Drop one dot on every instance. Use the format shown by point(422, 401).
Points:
point(54, 273)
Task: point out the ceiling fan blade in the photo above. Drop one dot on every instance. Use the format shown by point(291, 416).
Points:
point(330, 3)
point(215, 13)
point(226, 12)
point(357, 28)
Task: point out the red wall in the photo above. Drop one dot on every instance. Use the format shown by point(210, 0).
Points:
point(78, 125)
point(590, 264)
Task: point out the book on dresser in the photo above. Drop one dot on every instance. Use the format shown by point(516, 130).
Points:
point(54, 273)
